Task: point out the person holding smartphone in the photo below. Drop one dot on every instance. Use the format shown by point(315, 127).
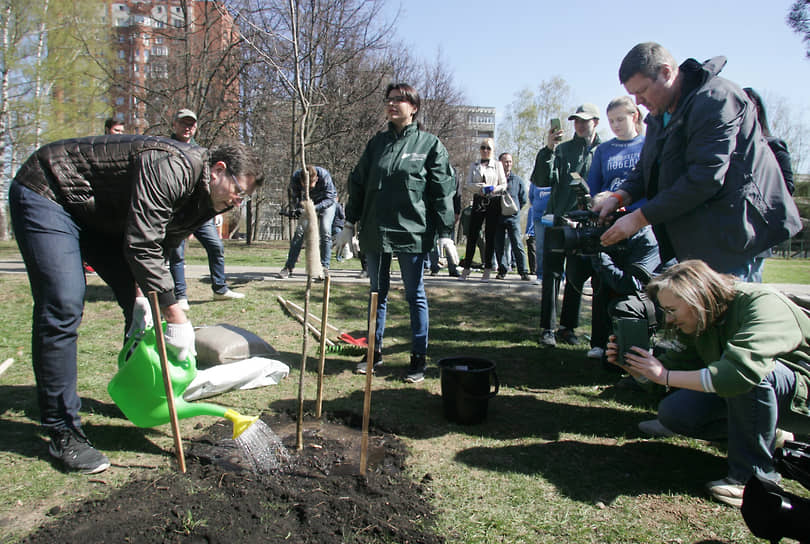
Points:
point(557, 165)
point(743, 370)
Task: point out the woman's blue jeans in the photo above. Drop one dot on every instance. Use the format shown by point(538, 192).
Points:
point(748, 421)
point(53, 245)
point(412, 267)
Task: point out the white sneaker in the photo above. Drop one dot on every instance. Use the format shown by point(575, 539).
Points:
point(285, 273)
point(183, 303)
point(727, 491)
point(654, 427)
point(596, 353)
point(538, 281)
point(228, 295)
point(464, 274)
point(485, 276)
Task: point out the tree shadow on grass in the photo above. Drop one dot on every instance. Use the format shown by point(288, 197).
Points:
point(590, 472)
point(418, 413)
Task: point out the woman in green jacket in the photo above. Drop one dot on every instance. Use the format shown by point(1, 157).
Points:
point(743, 370)
point(401, 198)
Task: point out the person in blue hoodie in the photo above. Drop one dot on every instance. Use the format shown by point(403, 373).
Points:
point(614, 159)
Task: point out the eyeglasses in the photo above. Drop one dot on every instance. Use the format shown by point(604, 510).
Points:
point(398, 99)
point(240, 192)
point(486, 148)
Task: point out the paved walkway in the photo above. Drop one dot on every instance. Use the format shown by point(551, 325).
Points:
point(265, 273)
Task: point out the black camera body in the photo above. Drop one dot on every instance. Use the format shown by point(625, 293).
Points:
point(292, 213)
point(578, 233)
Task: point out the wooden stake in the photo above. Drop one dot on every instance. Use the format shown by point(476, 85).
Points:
point(372, 331)
point(299, 426)
point(321, 362)
point(317, 321)
point(167, 380)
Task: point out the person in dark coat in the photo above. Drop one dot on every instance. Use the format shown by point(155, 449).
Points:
point(115, 202)
point(715, 191)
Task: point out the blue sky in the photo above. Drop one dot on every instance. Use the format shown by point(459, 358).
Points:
point(496, 48)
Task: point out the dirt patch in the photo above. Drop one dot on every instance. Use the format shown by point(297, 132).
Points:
point(318, 497)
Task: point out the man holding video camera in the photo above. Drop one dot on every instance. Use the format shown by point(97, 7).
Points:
point(564, 167)
point(620, 274)
point(323, 194)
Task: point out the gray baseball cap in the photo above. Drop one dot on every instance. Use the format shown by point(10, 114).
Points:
point(185, 113)
point(585, 112)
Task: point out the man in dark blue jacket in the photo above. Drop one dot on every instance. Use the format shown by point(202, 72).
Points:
point(510, 225)
point(714, 188)
point(323, 194)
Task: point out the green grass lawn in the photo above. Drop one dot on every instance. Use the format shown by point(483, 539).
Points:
point(559, 459)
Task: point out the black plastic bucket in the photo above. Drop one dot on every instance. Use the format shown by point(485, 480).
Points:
point(467, 386)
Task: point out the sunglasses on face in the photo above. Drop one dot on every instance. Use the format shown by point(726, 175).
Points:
point(486, 148)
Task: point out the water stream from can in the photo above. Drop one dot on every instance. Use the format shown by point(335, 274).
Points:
point(263, 448)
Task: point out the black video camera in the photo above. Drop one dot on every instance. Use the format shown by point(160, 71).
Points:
point(773, 513)
point(578, 233)
point(288, 211)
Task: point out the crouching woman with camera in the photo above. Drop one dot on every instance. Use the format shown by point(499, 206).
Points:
point(744, 368)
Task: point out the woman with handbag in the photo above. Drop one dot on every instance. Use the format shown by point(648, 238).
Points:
point(487, 182)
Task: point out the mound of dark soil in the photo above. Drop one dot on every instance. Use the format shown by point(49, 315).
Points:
point(318, 496)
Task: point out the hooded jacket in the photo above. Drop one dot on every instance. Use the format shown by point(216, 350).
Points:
point(714, 189)
point(401, 192)
point(152, 192)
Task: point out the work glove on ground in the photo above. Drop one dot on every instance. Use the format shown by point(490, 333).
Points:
point(141, 316)
point(447, 247)
point(180, 339)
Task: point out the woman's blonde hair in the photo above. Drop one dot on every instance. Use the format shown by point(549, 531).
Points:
point(706, 292)
point(631, 107)
point(491, 143)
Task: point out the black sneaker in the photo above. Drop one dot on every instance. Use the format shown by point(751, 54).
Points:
point(567, 336)
point(75, 452)
point(417, 368)
point(361, 366)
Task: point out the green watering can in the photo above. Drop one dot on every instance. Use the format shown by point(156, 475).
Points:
point(137, 388)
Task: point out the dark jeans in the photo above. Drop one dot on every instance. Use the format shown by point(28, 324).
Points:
point(209, 238)
point(53, 246)
point(531, 254)
point(577, 270)
point(412, 268)
point(511, 228)
point(488, 213)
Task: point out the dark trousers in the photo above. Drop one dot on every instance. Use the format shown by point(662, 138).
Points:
point(488, 213)
point(53, 245)
point(531, 254)
point(510, 228)
point(577, 270)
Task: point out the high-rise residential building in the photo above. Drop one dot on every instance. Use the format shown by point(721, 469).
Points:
point(172, 54)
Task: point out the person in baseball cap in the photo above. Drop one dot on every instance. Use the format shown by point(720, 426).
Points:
point(183, 113)
point(585, 112)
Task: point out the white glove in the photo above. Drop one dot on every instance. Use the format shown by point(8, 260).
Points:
point(180, 339)
point(449, 248)
point(141, 316)
point(344, 237)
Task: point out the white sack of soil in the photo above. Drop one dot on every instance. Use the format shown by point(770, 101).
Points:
point(247, 374)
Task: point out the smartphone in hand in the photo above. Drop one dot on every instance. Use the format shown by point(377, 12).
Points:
point(630, 332)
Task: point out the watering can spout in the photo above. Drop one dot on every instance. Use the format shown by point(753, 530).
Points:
point(240, 422)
